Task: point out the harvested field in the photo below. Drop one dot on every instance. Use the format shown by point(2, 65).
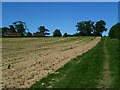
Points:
point(27, 60)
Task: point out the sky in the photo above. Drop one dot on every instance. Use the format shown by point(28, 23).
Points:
point(119, 11)
point(60, 0)
point(59, 15)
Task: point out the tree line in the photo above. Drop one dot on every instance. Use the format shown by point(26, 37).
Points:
point(84, 28)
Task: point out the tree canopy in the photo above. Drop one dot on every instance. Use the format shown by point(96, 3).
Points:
point(20, 27)
point(84, 28)
point(43, 30)
point(115, 31)
point(87, 28)
point(99, 28)
point(57, 33)
point(65, 35)
point(4, 30)
point(12, 29)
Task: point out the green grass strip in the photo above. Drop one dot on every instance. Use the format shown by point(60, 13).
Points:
point(112, 47)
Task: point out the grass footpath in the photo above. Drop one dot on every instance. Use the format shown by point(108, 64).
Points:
point(112, 47)
point(85, 71)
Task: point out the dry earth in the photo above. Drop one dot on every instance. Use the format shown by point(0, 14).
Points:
point(27, 60)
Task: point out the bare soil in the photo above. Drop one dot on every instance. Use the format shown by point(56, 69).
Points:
point(27, 60)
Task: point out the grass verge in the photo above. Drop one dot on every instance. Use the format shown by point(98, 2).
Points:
point(112, 47)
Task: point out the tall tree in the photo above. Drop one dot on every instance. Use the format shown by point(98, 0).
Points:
point(100, 27)
point(85, 27)
point(81, 27)
point(65, 35)
point(43, 30)
point(20, 27)
point(89, 26)
point(57, 33)
point(4, 30)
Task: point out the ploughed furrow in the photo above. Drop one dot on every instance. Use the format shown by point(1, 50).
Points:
point(33, 64)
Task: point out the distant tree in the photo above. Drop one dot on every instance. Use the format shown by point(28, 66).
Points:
point(4, 30)
point(89, 27)
point(57, 33)
point(43, 30)
point(65, 35)
point(99, 28)
point(85, 28)
point(115, 31)
point(80, 27)
point(77, 34)
point(29, 34)
point(20, 27)
point(12, 29)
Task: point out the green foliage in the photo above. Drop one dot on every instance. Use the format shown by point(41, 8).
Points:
point(20, 27)
point(112, 46)
point(43, 30)
point(99, 28)
point(65, 35)
point(4, 30)
point(57, 33)
point(87, 28)
point(115, 31)
point(17, 26)
point(12, 29)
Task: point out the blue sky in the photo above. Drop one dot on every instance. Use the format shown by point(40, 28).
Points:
point(59, 15)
